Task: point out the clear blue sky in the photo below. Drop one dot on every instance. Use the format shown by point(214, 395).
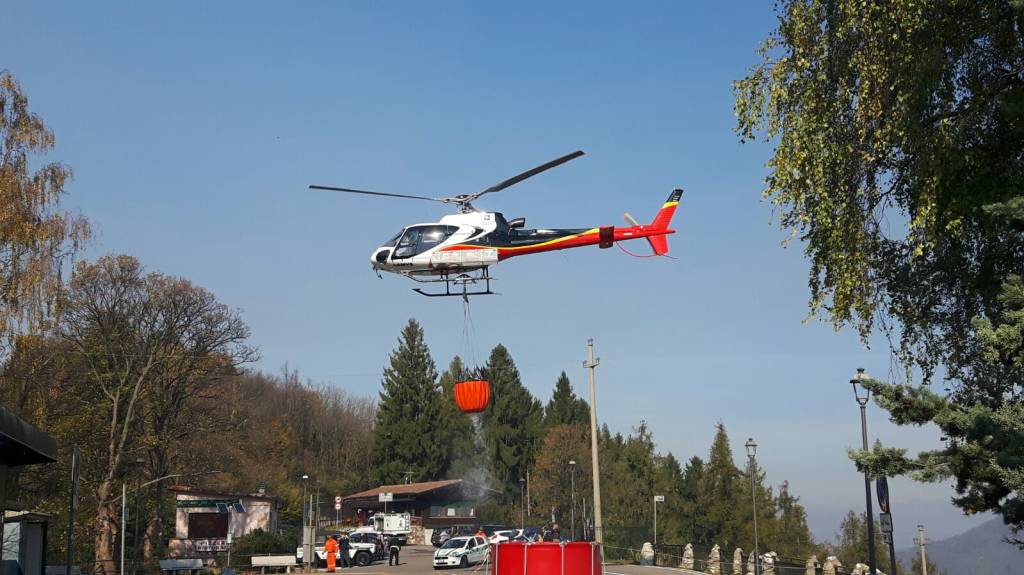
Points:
point(194, 127)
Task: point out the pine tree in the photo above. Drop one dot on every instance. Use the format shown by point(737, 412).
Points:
point(694, 516)
point(565, 408)
point(512, 425)
point(463, 454)
point(720, 491)
point(410, 434)
point(852, 544)
point(794, 536)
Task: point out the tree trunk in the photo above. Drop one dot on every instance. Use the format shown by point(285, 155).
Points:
point(106, 529)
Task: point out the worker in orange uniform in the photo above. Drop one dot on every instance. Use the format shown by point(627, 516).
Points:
point(331, 550)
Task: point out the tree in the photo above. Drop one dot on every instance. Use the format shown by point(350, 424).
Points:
point(35, 237)
point(794, 537)
point(464, 441)
point(565, 408)
point(136, 332)
point(690, 493)
point(552, 477)
point(933, 569)
point(512, 423)
point(899, 160)
point(410, 434)
point(720, 490)
point(852, 542)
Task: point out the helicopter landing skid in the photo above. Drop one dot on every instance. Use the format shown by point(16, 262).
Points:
point(457, 285)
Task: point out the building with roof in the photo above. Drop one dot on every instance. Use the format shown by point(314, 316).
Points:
point(204, 519)
point(23, 536)
point(432, 504)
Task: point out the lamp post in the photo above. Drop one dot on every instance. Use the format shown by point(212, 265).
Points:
point(522, 503)
point(862, 395)
point(306, 547)
point(572, 497)
point(752, 454)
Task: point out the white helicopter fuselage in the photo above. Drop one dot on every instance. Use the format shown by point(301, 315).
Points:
point(419, 249)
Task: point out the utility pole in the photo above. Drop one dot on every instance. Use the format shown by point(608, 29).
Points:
point(73, 500)
point(920, 545)
point(592, 364)
point(124, 519)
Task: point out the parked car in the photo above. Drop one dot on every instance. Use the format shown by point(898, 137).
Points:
point(528, 534)
point(504, 535)
point(441, 535)
point(461, 552)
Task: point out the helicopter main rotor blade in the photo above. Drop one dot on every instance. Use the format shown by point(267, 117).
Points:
point(529, 174)
point(352, 191)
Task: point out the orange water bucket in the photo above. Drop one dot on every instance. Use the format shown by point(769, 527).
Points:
point(473, 396)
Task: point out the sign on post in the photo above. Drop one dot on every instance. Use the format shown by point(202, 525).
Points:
point(885, 520)
point(337, 506)
point(385, 497)
point(337, 498)
point(659, 498)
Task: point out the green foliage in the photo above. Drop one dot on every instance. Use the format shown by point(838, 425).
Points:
point(410, 433)
point(260, 542)
point(565, 408)
point(512, 424)
point(720, 492)
point(464, 456)
point(899, 161)
point(852, 543)
point(933, 569)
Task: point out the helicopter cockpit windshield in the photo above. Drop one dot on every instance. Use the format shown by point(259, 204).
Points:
point(418, 239)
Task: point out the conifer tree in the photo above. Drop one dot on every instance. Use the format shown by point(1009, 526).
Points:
point(795, 539)
point(694, 516)
point(512, 423)
point(463, 455)
point(720, 491)
point(565, 408)
point(410, 434)
point(852, 546)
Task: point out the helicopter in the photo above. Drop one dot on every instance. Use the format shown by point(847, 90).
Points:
point(459, 250)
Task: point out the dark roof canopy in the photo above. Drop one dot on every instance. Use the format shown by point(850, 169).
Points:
point(405, 489)
point(22, 444)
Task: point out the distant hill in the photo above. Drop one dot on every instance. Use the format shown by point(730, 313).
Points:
point(980, 551)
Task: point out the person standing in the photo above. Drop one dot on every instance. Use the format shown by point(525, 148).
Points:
point(344, 551)
point(393, 550)
point(331, 551)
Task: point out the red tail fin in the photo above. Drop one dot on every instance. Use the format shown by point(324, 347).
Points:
point(661, 221)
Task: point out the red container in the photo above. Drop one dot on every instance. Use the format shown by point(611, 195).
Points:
point(472, 396)
point(518, 558)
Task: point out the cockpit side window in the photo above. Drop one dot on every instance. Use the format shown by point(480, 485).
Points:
point(419, 239)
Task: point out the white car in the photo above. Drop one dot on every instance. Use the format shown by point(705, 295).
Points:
point(461, 552)
point(505, 535)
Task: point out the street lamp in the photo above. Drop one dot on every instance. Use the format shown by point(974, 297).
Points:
point(572, 498)
point(522, 503)
point(752, 454)
point(862, 395)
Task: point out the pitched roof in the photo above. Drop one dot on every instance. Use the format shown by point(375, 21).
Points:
point(198, 491)
point(406, 488)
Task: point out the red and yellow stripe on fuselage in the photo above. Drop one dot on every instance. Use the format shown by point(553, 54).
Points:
point(589, 237)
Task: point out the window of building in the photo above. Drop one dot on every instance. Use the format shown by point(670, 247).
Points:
point(207, 525)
